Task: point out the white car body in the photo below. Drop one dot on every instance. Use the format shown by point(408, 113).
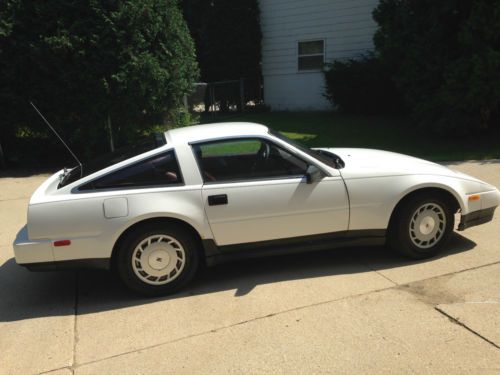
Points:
point(352, 204)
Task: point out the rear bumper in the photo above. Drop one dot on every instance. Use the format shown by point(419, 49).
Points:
point(39, 256)
point(476, 218)
point(27, 251)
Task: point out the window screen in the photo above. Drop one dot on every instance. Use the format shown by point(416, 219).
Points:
point(156, 171)
point(311, 55)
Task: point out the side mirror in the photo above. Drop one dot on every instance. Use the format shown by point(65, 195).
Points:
point(313, 174)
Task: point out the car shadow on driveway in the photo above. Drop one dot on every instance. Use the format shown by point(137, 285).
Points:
point(27, 295)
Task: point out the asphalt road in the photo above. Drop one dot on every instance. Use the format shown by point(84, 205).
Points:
point(340, 311)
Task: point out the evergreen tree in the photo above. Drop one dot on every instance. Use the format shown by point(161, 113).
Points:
point(91, 66)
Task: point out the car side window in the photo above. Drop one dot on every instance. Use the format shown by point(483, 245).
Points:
point(158, 170)
point(246, 159)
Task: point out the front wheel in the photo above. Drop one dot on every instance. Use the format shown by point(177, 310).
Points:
point(158, 260)
point(421, 226)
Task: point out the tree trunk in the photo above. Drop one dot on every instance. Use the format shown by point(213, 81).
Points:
point(242, 96)
point(2, 158)
point(110, 130)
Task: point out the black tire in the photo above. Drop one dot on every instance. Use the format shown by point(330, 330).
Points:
point(399, 237)
point(126, 251)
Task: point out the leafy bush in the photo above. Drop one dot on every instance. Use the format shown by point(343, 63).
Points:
point(445, 56)
point(90, 66)
point(181, 117)
point(362, 86)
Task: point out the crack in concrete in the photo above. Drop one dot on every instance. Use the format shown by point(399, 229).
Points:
point(385, 277)
point(378, 273)
point(458, 322)
point(69, 368)
point(215, 330)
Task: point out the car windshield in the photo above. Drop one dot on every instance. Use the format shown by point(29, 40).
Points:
point(326, 157)
point(107, 160)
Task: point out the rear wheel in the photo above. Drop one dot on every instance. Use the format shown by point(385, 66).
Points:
point(421, 226)
point(158, 260)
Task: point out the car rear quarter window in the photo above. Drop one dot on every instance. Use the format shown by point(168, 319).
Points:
point(123, 153)
point(158, 170)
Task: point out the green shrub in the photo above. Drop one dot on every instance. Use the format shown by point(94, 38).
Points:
point(445, 56)
point(181, 117)
point(91, 64)
point(362, 86)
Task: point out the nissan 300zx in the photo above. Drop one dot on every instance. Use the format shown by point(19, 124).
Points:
point(212, 193)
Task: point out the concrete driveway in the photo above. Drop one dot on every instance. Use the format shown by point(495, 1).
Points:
point(340, 311)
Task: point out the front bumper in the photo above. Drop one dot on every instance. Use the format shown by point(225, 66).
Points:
point(481, 207)
point(476, 218)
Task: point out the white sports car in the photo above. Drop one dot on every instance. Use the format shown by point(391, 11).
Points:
point(212, 193)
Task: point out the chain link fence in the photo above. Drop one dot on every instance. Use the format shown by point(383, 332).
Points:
point(230, 96)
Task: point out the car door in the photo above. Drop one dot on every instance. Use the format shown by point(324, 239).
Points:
point(255, 190)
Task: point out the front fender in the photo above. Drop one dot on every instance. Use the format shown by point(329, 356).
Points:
point(374, 199)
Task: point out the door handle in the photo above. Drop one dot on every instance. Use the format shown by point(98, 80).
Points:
point(217, 200)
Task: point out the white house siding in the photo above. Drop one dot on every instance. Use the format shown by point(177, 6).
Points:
point(346, 26)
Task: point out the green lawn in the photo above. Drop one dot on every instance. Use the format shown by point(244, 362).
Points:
point(318, 129)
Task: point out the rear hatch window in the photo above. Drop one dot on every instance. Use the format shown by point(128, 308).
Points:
point(107, 160)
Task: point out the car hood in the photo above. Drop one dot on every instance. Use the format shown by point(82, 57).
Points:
point(368, 162)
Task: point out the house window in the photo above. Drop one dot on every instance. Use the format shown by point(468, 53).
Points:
point(311, 55)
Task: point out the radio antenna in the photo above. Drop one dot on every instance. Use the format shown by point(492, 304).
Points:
point(58, 136)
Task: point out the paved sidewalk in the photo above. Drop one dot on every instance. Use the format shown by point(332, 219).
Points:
point(341, 311)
